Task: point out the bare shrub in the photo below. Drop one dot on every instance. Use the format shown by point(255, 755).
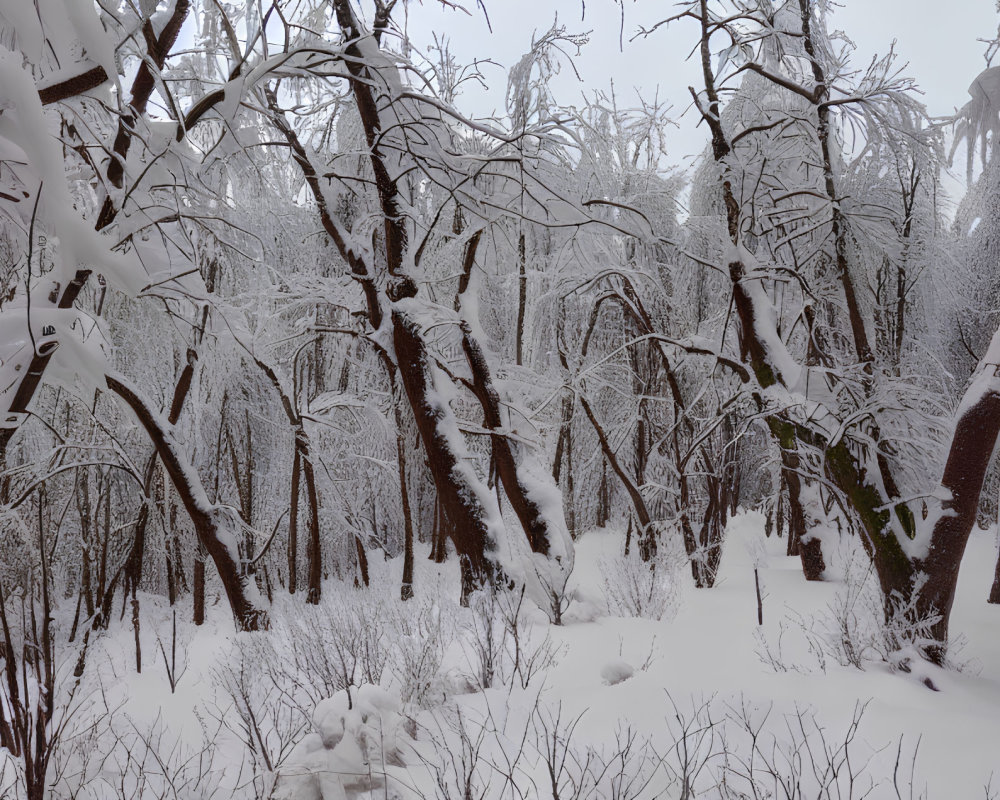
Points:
point(420, 634)
point(266, 715)
point(501, 644)
point(807, 761)
point(571, 773)
point(319, 650)
point(853, 629)
point(457, 761)
point(114, 758)
point(531, 658)
point(487, 641)
point(650, 589)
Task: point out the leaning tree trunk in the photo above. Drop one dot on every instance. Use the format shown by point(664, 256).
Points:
point(209, 520)
point(471, 530)
point(976, 432)
point(458, 490)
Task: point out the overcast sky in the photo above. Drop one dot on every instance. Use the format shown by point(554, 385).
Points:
point(937, 39)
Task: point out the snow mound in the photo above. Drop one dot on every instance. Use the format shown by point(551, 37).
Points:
point(358, 737)
point(617, 671)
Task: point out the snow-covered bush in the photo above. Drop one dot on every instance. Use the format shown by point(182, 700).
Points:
point(358, 740)
point(650, 589)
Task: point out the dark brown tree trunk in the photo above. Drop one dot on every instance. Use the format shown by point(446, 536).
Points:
point(522, 297)
point(809, 547)
point(779, 512)
point(293, 525)
point(969, 457)
point(135, 633)
point(534, 522)
point(406, 588)
point(171, 580)
point(439, 534)
point(362, 554)
point(199, 588)
point(86, 589)
point(995, 589)
point(314, 554)
point(631, 488)
point(603, 498)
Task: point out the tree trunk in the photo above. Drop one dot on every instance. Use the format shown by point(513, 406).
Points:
point(470, 529)
point(198, 592)
point(293, 524)
point(564, 455)
point(359, 549)
point(995, 589)
point(406, 588)
point(638, 504)
point(603, 498)
point(439, 534)
point(209, 521)
point(807, 547)
point(314, 555)
point(132, 575)
point(969, 457)
point(518, 487)
point(522, 297)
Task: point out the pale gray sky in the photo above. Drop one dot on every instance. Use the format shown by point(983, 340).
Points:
point(937, 39)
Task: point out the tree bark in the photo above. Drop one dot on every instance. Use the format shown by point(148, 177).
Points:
point(807, 547)
point(646, 534)
point(359, 548)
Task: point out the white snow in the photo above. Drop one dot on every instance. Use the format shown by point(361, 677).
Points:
point(612, 674)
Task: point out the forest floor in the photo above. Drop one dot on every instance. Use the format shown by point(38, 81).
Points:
point(775, 700)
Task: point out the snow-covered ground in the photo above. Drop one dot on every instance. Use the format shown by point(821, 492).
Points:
point(706, 667)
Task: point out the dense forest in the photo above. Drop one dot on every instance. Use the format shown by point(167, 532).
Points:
point(344, 429)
